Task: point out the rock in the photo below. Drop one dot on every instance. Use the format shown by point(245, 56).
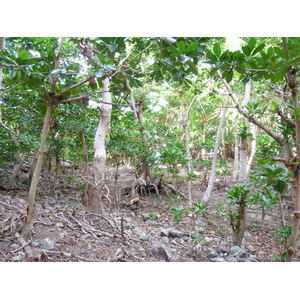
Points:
point(15, 245)
point(249, 247)
point(6, 242)
point(212, 252)
point(198, 249)
point(47, 244)
point(174, 233)
point(164, 232)
point(142, 235)
point(207, 239)
point(222, 250)
point(171, 233)
point(4, 248)
point(145, 217)
point(200, 221)
point(252, 258)
point(185, 236)
point(160, 252)
point(35, 243)
point(247, 235)
point(237, 251)
point(231, 259)
point(218, 259)
point(67, 254)
point(165, 239)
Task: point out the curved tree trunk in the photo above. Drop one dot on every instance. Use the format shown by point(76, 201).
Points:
point(98, 170)
point(209, 188)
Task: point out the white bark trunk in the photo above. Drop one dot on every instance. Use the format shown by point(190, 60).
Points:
point(208, 191)
point(243, 145)
point(100, 151)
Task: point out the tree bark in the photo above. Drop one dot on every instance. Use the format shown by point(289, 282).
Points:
point(186, 125)
point(209, 188)
point(35, 178)
point(98, 171)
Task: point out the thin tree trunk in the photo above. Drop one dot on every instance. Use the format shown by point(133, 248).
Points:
point(209, 188)
point(235, 174)
point(253, 145)
point(186, 125)
point(240, 227)
point(243, 140)
point(96, 189)
point(85, 195)
point(35, 178)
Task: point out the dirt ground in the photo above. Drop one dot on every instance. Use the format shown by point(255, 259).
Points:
point(64, 230)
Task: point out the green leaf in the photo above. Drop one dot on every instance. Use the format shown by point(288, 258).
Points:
point(211, 56)
point(280, 186)
point(258, 48)
point(55, 71)
point(181, 46)
point(217, 50)
point(191, 47)
point(251, 43)
point(246, 50)
point(99, 73)
point(112, 47)
point(23, 54)
point(13, 73)
point(279, 75)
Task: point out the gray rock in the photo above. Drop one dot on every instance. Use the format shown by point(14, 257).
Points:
point(174, 233)
point(35, 243)
point(164, 232)
point(160, 252)
point(221, 250)
point(15, 245)
point(237, 251)
point(67, 254)
point(145, 217)
point(212, 252)
point(4, 248)
point(247, 235)
point(252, 258)
point(165, 239)
point(185, 236)
point(200, 221)
point(6, 242)
point(142, 235)
point(218, 259)
point(47, 244)
point(198, 249)
point(231, 259)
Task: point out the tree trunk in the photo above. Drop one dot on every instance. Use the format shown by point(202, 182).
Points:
point(98, 171)
point(243, 140)
point(209, 188)
point(235, 174)
point(240, 227)
point(85, 195)
point(186, 125)
point(35, 178)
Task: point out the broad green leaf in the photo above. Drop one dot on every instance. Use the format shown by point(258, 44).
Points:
point(191, 47)
point(280, 186)
point(217, 49)
point(246, 50)
point(181, 46)
point(251, 43)
point(23, 54)
point(99, 73)
point(258, 48)
point(279, 75)
point(13, 73)
point(211, 56)
point(55, 71)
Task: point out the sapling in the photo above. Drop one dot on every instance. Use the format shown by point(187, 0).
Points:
point(178, 212)
point(238, 196)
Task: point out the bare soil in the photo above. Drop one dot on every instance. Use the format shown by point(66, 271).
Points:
point(122, 233)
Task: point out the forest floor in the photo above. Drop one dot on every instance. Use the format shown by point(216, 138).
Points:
point(64, 230)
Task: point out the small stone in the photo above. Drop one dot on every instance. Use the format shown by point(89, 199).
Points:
point(164, 232)
point(221, 250)
point(198, 249)
point(218, 259)
point(185, 236)
point(160, 252)
point(237, 251)
point(247, 235)
point(47, 244)
point(174, 233)
point(35, 243)
point(60, 225)
point(67, 254)
point(165, 239)
point(212, 252)
point(145, 217)
point(207, 239)
point(15, 245)
point(231, 259)
point(142, 235)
